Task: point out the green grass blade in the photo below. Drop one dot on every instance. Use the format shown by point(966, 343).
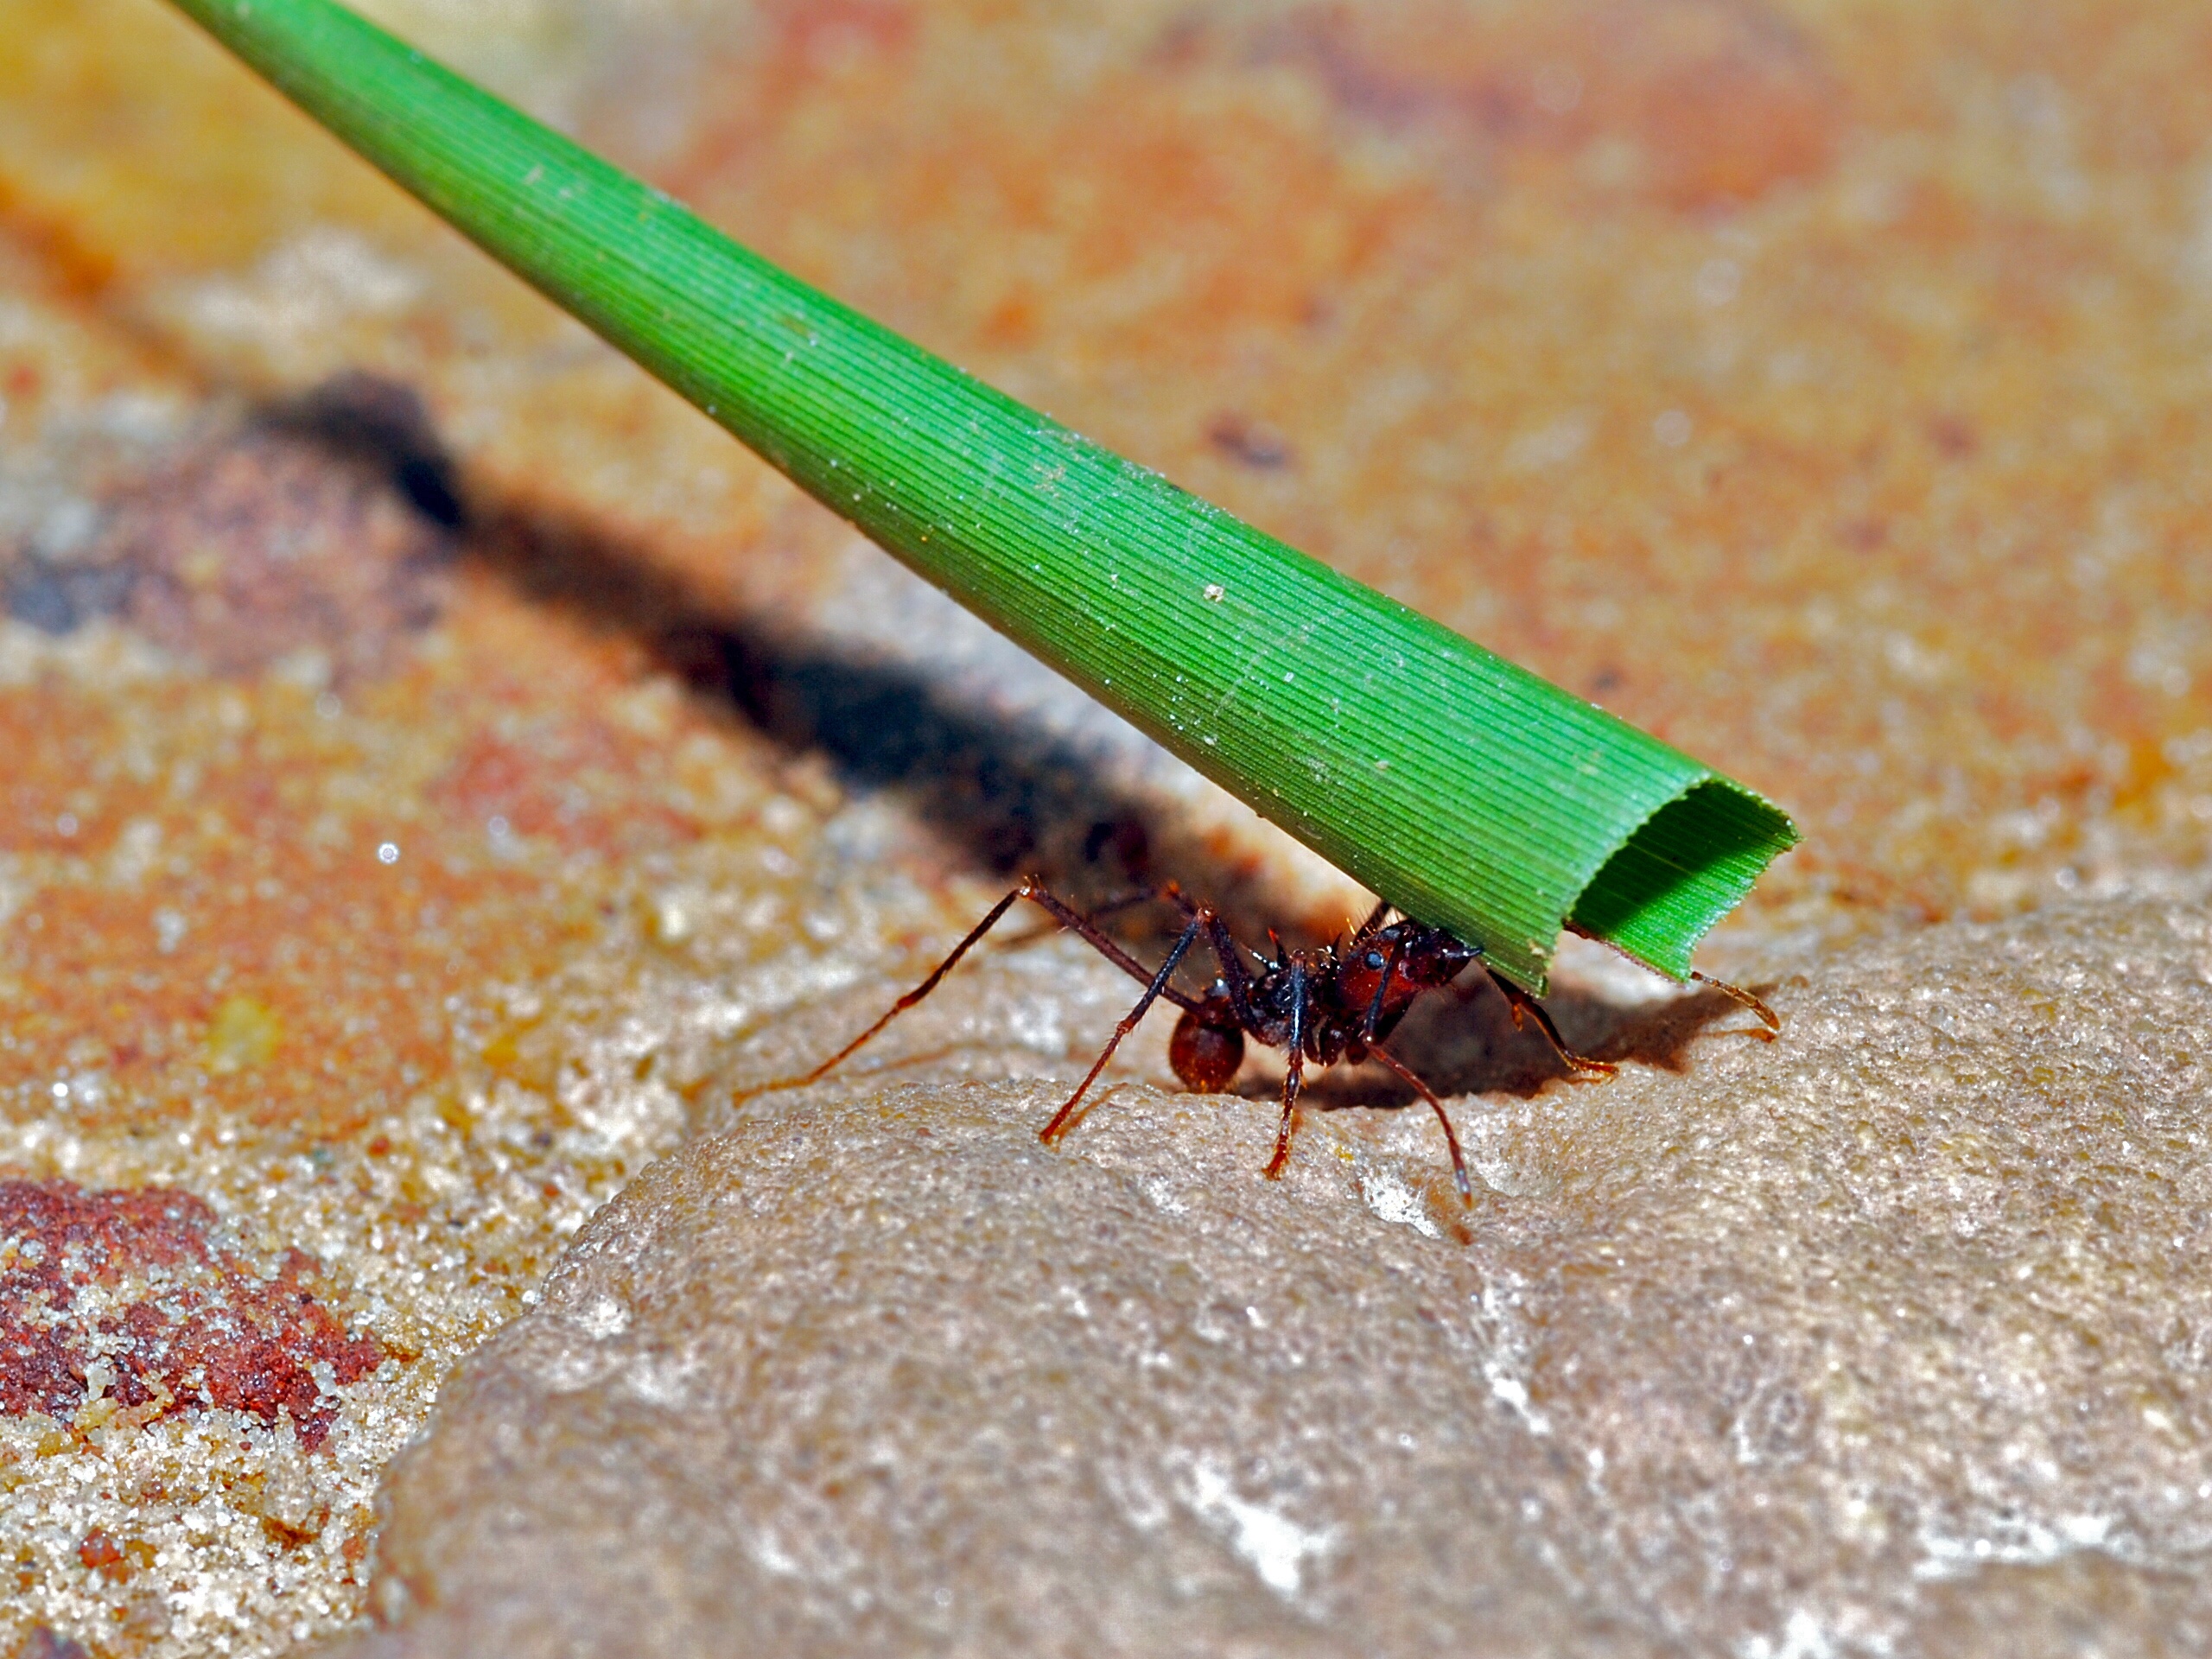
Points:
point(1467, 791)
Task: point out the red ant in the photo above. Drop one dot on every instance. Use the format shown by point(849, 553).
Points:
point(1330, 1006)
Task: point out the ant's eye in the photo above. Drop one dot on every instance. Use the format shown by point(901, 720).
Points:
point(1375, 958)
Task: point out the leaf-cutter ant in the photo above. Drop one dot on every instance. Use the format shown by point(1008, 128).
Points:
point(1330, 1006)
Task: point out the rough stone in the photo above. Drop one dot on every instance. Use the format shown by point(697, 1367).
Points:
point(1889, 1336)
point(1818, 385)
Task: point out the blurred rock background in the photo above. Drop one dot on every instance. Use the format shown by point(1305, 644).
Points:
point(435, 766)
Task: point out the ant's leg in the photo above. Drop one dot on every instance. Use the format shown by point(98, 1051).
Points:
point(1038, 894)
point(1458, 1164)
point(1235, 979)
point(1293, 1079)
point(1152, 992)
point(1526, 1007)
point(1374, 920)
point(1767, 1017)
point(1096, 938)
point(1128, 901)
point(1382, 988)
point(1026, 890)
point(1113, 906)
point(1294, 1076)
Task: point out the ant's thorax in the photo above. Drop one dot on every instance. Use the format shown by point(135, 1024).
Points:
point(1340, 999)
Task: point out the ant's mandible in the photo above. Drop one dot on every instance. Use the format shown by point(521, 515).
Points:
point(1333, 1005)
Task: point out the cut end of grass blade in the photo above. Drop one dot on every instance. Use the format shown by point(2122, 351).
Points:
point(1688, 865)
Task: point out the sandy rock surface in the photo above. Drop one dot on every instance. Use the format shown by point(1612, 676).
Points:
point(1831, 1344)
point(436, 768)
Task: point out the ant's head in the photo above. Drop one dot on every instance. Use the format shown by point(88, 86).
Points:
point(1386, 969)
point(1429, 957)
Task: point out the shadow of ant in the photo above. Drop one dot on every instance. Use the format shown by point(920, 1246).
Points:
point(1008, 793)
point(1466, 1043)
point(1003, 791)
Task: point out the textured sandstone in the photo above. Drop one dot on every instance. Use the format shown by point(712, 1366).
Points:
point(1852, 1342)
point(1818, 385)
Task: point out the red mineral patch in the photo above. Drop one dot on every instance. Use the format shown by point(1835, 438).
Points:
point(102, 1554)
point(132, 1282)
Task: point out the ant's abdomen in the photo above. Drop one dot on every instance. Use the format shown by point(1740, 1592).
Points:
point(1205, 1056)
